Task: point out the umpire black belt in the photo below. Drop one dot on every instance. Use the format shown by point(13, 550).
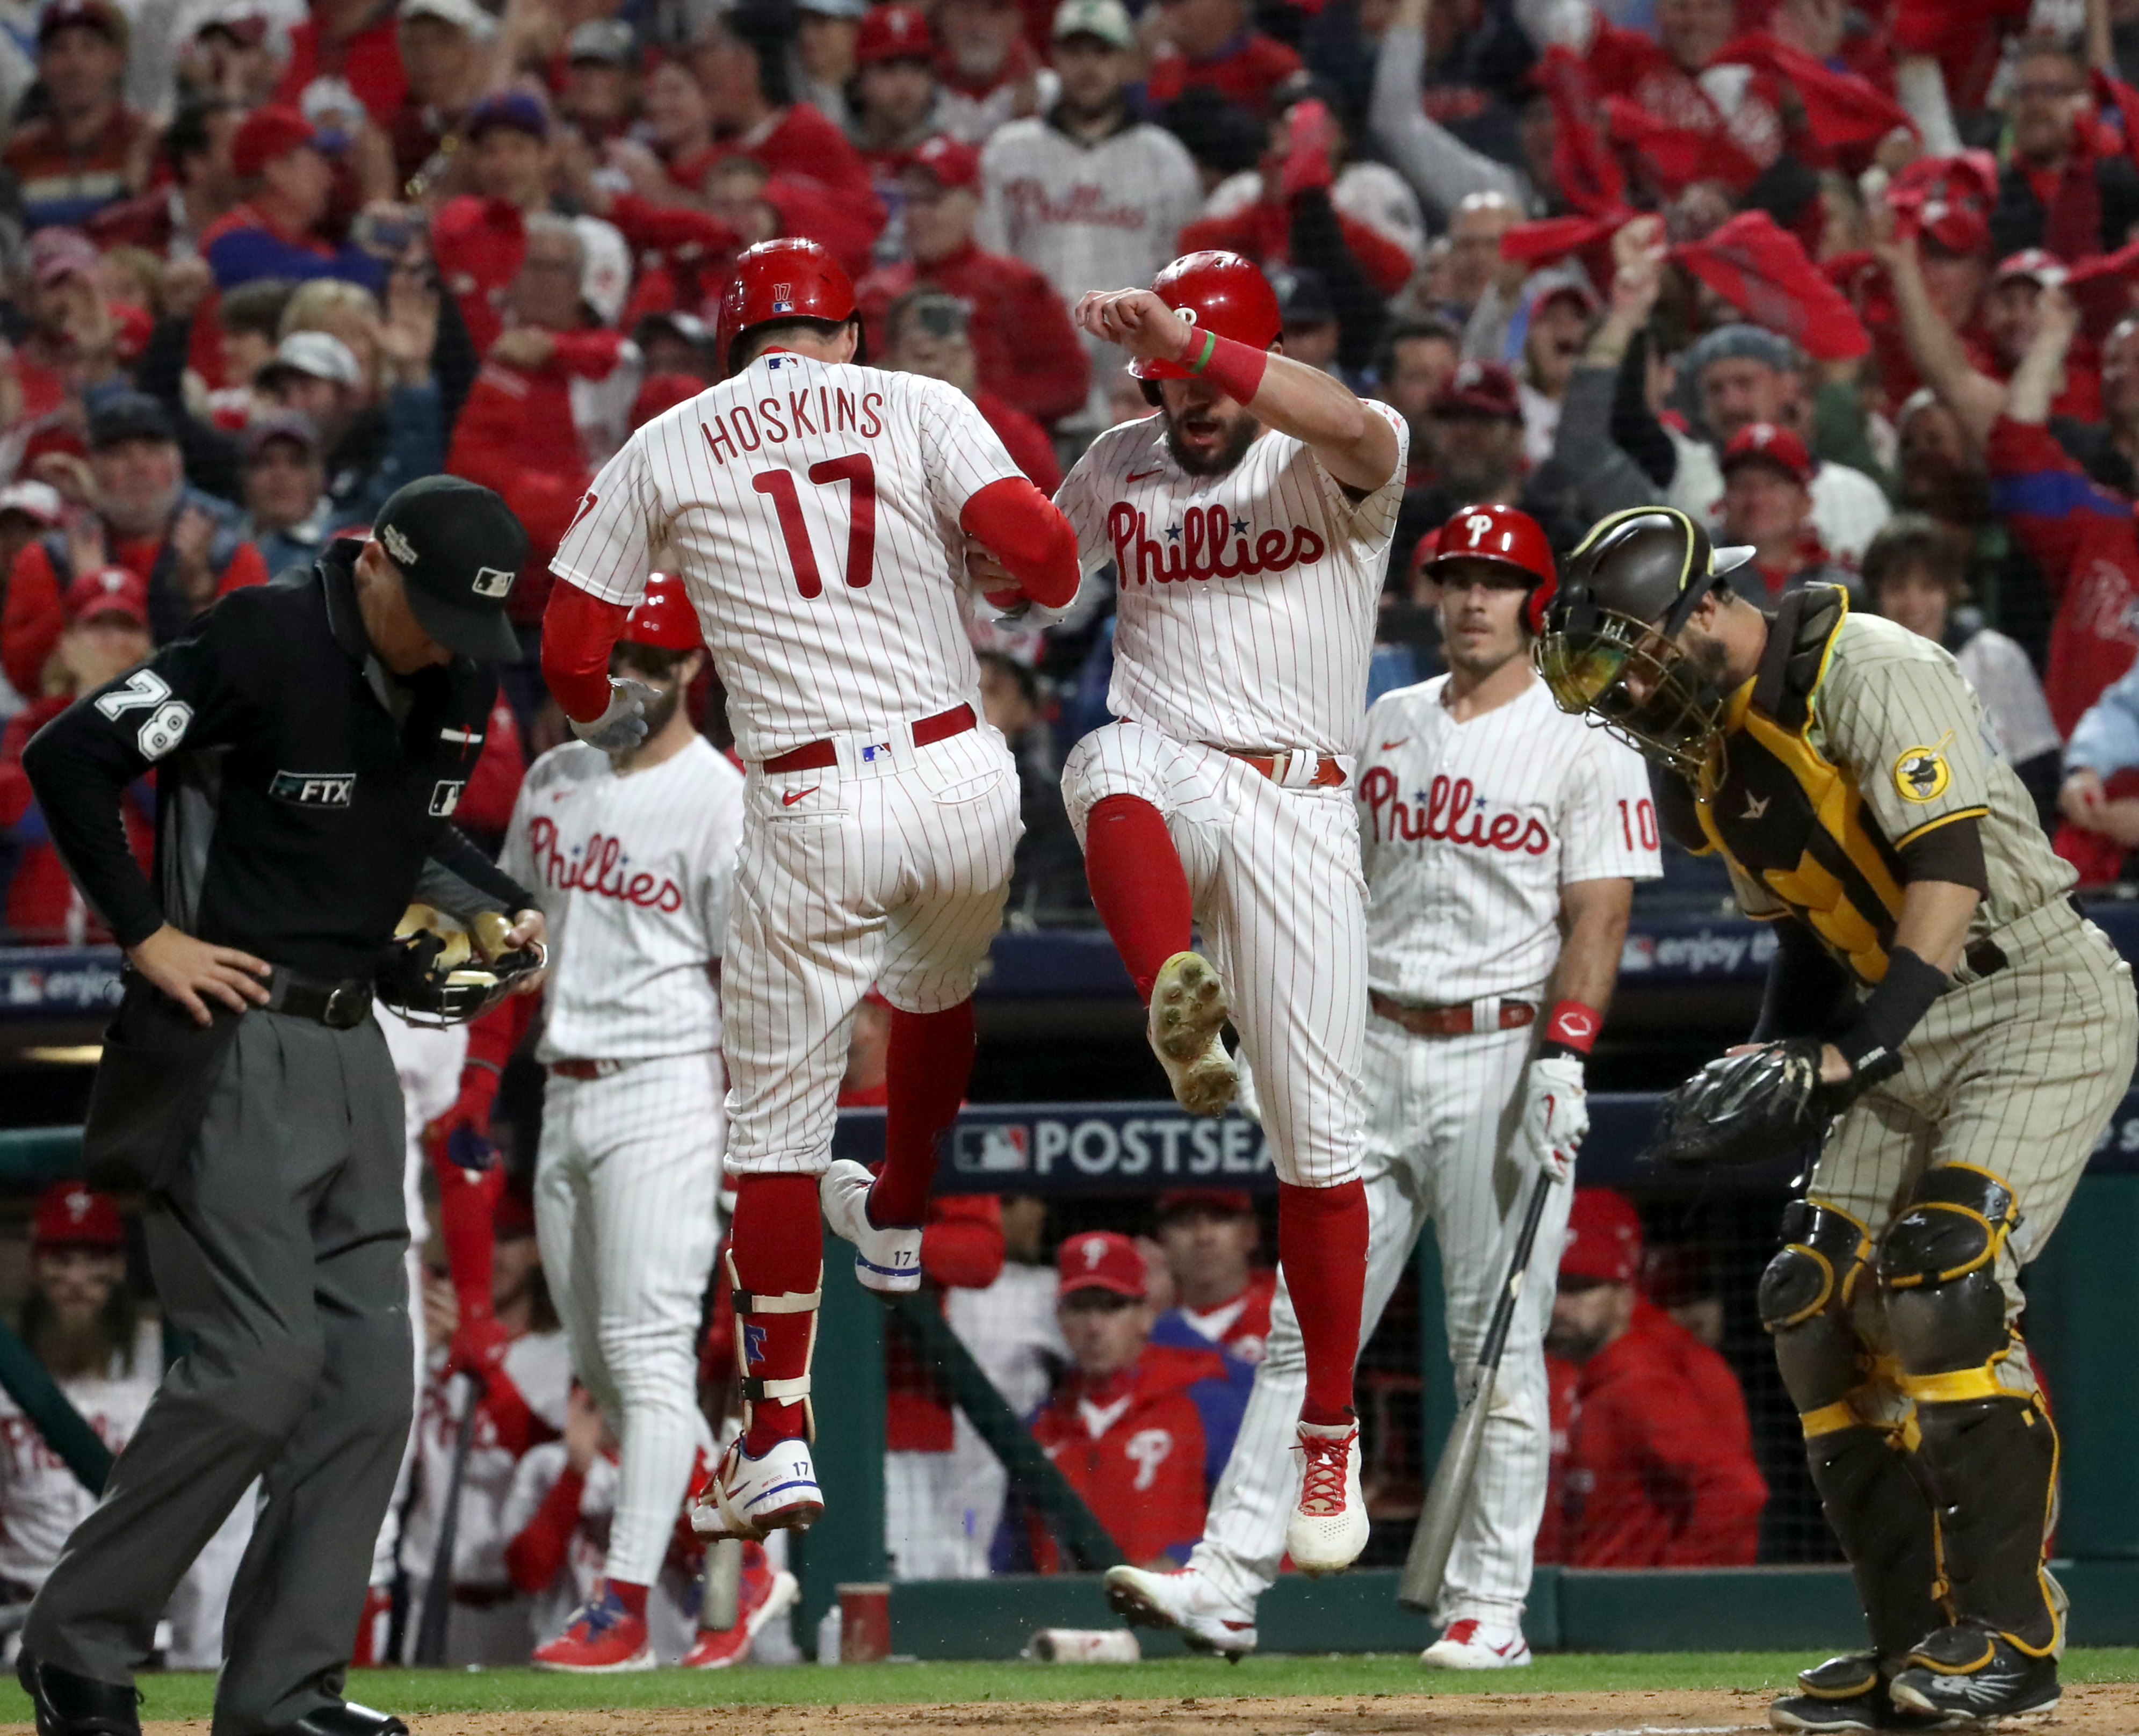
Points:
point(338, 1005)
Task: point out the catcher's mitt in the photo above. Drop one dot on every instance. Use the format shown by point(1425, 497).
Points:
point(436, 973)
point(1766, 1102)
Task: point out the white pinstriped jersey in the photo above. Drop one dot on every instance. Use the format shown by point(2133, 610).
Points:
point(634, 874)
point(1246, 603)
point(812, 508)
point(1471, 829)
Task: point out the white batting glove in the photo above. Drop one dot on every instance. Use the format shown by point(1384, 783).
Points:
point(1555, 1112)
point(622, 725)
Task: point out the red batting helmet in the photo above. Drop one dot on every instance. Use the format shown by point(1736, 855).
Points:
point(788, 279)
point(1502, 534)
point(665, 616)
point(1220, 293)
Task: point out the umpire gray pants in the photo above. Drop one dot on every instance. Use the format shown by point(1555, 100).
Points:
point(277, 1249)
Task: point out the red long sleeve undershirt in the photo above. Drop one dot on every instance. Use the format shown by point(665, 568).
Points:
point(534, 1558)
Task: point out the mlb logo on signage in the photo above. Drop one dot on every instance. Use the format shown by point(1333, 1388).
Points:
point(992, 1150)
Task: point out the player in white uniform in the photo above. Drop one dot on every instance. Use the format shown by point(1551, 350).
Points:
point(819, 514)
point(632, 856)
point(1249, 523)
point(1489, 830)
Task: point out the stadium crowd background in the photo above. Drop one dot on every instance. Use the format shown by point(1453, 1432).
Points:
point(1852, 282)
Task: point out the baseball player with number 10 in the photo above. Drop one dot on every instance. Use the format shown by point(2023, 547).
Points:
point(1491, 825)
point(821, 514)
point(1249, 523)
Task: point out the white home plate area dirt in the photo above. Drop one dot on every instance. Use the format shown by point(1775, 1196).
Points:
point(2087, 1711)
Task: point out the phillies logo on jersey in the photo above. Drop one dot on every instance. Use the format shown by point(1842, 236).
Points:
point(1198, 546)
point(1147, 1449)
point(1449, 811)
point(595, 868)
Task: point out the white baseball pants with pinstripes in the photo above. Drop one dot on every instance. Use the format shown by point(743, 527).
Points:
point(889, 867)
point(626, 1190)
point(1274, 875)
point(1443, 1143)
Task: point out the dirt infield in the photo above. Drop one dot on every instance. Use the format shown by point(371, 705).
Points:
point(2089, 1710)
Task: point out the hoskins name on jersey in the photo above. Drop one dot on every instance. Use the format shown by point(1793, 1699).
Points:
point(835, 411)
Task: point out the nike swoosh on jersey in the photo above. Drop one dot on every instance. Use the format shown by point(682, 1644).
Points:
point(1138, 475)
point(1389, 746)
point(794, 796)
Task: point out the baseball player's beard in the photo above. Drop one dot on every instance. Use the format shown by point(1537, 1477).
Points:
point(662, 706)
point(1572, 1342)
point(1230, 450)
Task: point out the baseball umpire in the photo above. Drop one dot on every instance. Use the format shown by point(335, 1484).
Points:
point(1944, 1014)
point(310, 738)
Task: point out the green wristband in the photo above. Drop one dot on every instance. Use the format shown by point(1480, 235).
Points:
point(1210, 349)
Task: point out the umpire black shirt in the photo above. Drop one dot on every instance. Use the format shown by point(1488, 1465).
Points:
point(304, 792)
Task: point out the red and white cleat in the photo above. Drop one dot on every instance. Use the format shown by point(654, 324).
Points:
point(749, 1497)
point(1470, 1644)
point(762, 1597)
point(1186, 1602)
point(1328, 1527)
point(603, 1639)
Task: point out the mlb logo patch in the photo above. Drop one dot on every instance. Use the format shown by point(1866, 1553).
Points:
point(492, 581)
point(446, 796)
point(783, 298)
point(876, 750)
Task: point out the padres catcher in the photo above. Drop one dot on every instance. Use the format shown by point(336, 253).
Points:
point(1938, 1005)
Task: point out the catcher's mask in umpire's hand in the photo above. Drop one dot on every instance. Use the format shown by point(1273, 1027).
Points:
point(436, 973)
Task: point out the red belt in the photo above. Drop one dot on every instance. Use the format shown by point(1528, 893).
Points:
point(1328, 773)
point(815, 756)
point(574, 1069)
point(1447, 1021)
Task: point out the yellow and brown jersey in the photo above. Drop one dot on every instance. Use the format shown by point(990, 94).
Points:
point(1853, 762)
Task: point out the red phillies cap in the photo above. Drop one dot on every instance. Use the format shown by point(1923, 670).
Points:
point(2038, 267)
point(953, 164)
point(1100, 1260)
point(269, 132)
point(98, 15)
point(1763, 442)
point(665, 616)
point(71, 1215)
point(1478, 389)
point(1948, 199)
point(109, 590)
point(1604, 1237)
point(1225, 1201)
point(893, 33)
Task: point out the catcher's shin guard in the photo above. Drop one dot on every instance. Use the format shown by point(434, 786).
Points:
point(768, 1349)
point(1988, 1454)
point(1860, 1462)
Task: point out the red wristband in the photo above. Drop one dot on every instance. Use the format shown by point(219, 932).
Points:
point(1234, 367)
point(1573, 1025)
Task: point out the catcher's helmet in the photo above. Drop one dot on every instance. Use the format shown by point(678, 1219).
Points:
point(1624, 594)
point(1220, 293)
point(665, 616)
point(437, 973)
point(788, 279)
point(1507, 538)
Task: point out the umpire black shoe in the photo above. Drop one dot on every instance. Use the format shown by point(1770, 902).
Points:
point(1972, 1673)
point(1848, 1693)
point(345, 1720)
point(68, 1704)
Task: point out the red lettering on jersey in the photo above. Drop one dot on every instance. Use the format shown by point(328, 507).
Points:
point(775, 429)
point(798, 409)
point(755, 439)
point(871, 427)
point(1197, 548)
point(1452, 815)
point(845, 401)
point(716, 441)
point(595, 870)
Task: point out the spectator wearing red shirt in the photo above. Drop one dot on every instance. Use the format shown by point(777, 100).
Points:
point(742, 60)
point(2007, 327)
point(89, 150)
point(1767, 506)
point(926, 331)
point(1141, 1430)
point(1211, 42)
point(1658, 1469)
point(106, 633)
point(353, 40)
point(2062, 187)
point(274, 232)
point(180, 543)
point(1221, 1297)
point(445, 58)
point(204, 185)
point(598, 94)
point(73, 342)
point(479, 238)
point(1027, 351)
point(895, 87)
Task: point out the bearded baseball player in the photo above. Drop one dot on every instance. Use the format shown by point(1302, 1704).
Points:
point(819, 513)
point(1491, 825)
point(1249, 523)
point(1941, 1012)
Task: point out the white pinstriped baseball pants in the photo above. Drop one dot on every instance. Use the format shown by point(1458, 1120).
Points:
point(1443, 1143)
point(889, 870)
point(1274, 875)
point(627, 1189)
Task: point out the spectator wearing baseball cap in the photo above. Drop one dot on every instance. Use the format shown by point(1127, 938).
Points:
point(2005, 326)
point(824, 63)
point(1025, 350)
point(1170, 1415)
point(353, 41)
point(286, 508)
point(274, 231)
point(445, 60)
point(88, 149)
point(894, 90)
point(989, 74)
point(182, 544)
point(72, 342)
point(1221, 1296)
point(1215, 43)
point(742, 61)
point(1767, 506)
point(599, 95)
point(1657, 1469)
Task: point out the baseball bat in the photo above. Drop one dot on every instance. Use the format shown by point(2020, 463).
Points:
point(1449, 1492)
point(722, 1585)
point(439, 1593)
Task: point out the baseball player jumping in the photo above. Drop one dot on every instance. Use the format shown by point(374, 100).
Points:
point(1491, 823)
point(819, 513)
point(1249, 523)
point(1938, 999)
